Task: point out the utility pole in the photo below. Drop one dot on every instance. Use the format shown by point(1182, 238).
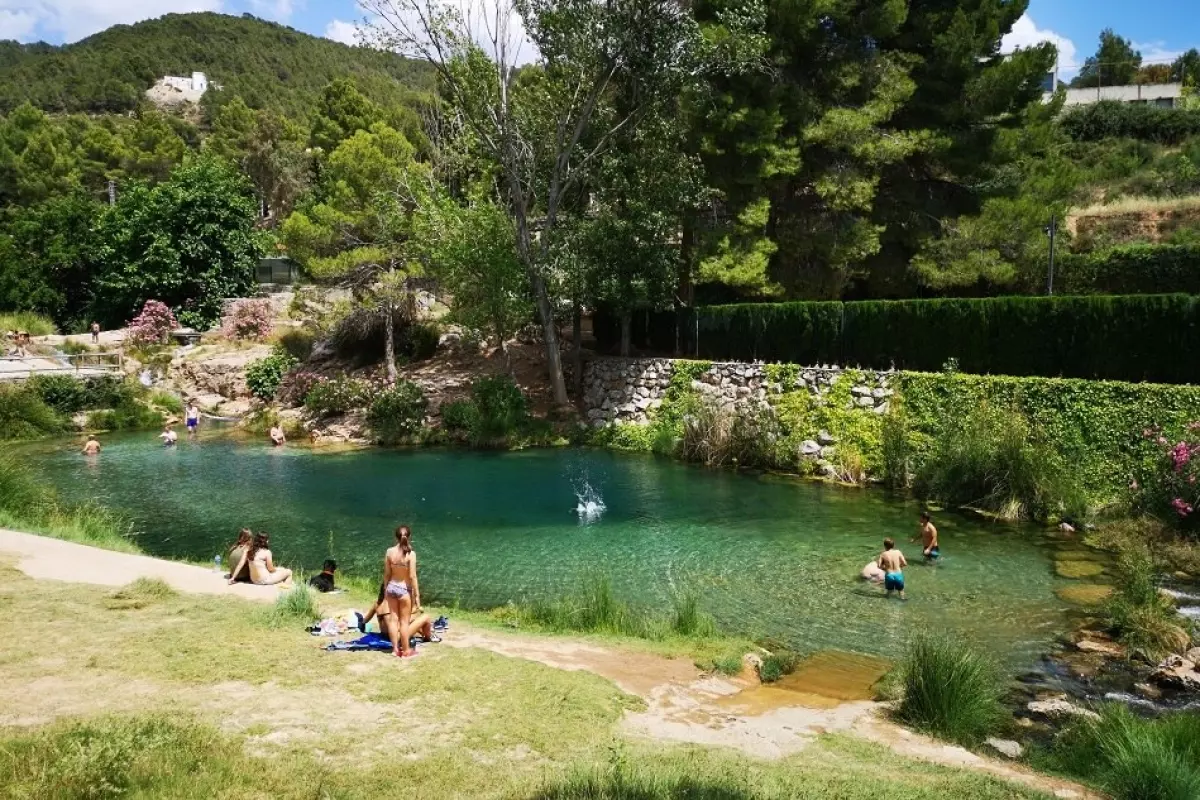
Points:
point(1052, 231)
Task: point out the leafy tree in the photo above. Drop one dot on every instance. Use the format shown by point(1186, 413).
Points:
point(268, 148)
point(1186, 68)
point(189, 242)
point(1116, 63)
point(471, 250)
point(341, 111)
point(359, 234)
point(538, 126)
point(45, 258)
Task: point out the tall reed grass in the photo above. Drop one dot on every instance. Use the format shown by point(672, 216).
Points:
point(1134, 758)
point(1144, 619)
point(950, 690)
point(29, 321)
point(297, 606)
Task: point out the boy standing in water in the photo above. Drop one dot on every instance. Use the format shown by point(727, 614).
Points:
point(192, 417)
point(892, 562)
point(929, 539)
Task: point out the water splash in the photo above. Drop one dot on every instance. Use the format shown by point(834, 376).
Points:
point(1131, 700)
point(589, 505)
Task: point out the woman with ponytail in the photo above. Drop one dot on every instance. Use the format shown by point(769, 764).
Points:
point(400, 589)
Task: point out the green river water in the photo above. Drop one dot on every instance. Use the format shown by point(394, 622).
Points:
point(768, 556)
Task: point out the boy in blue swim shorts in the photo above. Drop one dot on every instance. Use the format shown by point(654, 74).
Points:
point(892, 562)
point(929, 539)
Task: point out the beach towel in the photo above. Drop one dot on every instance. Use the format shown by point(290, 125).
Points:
point(372, 641)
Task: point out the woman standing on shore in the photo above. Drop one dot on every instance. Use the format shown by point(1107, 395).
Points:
point(401, 590)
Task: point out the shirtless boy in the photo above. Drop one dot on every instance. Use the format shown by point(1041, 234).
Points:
point(929, 539)
point(92, 446)
point(892, 562)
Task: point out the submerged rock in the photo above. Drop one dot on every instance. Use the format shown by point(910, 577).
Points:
point(1084, 594)
point(1078, 569)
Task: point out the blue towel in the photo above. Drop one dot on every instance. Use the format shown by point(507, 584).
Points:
point(372, 641)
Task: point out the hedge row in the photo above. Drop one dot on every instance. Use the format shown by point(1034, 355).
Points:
point(1133, 338)
point(1133, 269)
point(1110, 119)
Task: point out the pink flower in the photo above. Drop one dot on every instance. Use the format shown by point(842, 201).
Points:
point(1181, 454)
point(1181, 507)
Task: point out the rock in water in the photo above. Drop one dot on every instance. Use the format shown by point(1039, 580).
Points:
point(1059, 707)
point(1006, 747)
point(1177, 672)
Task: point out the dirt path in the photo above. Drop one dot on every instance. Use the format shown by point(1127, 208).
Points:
point(43, 558)
point(682, 703)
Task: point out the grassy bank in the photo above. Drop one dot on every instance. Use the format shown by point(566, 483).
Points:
point(194, 697)
point(28, 504)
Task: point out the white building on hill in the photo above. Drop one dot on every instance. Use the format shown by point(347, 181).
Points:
point(174, 89)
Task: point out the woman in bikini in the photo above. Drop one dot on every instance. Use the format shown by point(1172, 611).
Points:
point(401, 590)
point(262, 565)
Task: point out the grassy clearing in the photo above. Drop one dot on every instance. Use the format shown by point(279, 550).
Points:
point(1134, 758)
point(1139, 205)
point(32, 323)
point(950, 690)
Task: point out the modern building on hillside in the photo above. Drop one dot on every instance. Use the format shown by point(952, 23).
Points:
point(175, 89)
point(1163, 95)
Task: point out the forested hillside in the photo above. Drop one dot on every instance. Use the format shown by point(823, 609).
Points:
point(264, 63)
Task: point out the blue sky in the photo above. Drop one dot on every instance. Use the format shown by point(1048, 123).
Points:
point(1161, 28)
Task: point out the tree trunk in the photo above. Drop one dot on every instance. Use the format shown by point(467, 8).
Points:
point(685, 293)
point(389, 343)
point(550, 333)
point(626, 332)
point(577, 341)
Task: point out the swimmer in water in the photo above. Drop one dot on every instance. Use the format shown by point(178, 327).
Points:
point(169, 436)
point(928, 534)
point(276, 436)
point(892, 562)
point(92, 446)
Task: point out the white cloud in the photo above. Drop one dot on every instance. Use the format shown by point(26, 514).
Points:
point(1156, 53)
point(278, 10)
point(341, 31)
point(16, 24)
point(71, 20)
point(1025, 33)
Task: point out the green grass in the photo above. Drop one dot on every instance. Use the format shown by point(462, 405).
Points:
point(1145, 621)
point(24, 415)
point(777, 664)
point(167, 401)
point(296, 607)
point(950, 690)
point(1134, 758)
point(141, 593)
point(28, 504)
point(32, 323)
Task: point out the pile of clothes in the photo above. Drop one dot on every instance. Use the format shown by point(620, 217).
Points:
point(373, 641)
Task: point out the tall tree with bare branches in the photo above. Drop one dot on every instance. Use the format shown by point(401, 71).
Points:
point(536, 104)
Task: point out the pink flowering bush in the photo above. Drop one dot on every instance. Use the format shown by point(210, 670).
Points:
point(153, 325)
point(1171, 486)
point(247, 319)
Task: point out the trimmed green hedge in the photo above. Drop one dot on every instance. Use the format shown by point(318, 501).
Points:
point(1131, 338)
point(1113, 120)
point(1095, 425)
point(1132, 269)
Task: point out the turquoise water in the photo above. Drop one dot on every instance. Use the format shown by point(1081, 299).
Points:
point(769, 557)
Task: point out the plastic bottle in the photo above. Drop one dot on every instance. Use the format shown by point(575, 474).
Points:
point(217, 564)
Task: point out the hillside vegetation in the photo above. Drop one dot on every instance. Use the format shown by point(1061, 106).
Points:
point(266, 64)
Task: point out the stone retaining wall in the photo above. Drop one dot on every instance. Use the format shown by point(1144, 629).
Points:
point(626, 389)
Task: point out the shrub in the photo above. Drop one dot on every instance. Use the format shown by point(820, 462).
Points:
point(776, 665)
point(716, 436)
point(248, 319)
point(338, 395)
point(992, 459)
point(1114, 120)
point(127, 415)
point(1131, 269)
point(29, 321)
point(166, 401)
point(397, 414)
point(298, 343)
point(501, 408)
point(1134, 758)
point(1143, 618)
point(153, 325)
point(459, 416)
point(23, 415)
point(68, 394)
point(897, 450)
point(264, 376)
point(296, 607)
point(419, 341)
point(950, 690)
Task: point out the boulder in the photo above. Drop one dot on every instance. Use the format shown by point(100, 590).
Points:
point(883, 408)
point(1177, 672)
point(1059, 708)
point(1193, 655)
point(1006, 747)
point(1110, 649)
point(825, 438)
point(866, 401)
point(861, 391)
point(1148, 691)
point(880, 394)
point(809, 448)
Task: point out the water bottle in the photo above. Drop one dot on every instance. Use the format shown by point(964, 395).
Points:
point(217, 564)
